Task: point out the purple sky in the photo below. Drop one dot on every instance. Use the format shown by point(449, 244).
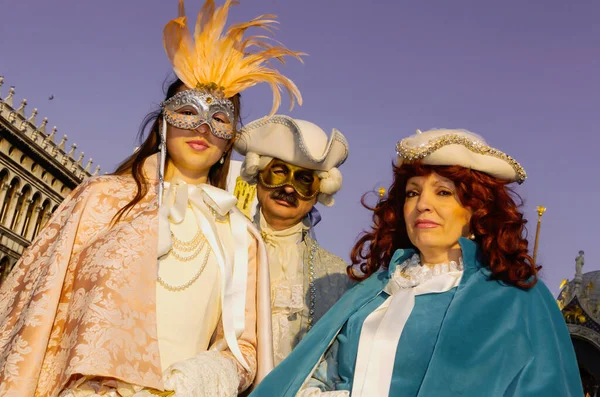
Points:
point(525, 75)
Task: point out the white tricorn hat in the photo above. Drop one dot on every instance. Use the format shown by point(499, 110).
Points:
point(297, 142)
point(459, 147)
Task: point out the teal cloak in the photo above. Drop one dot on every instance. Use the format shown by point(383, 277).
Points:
point(494, 340)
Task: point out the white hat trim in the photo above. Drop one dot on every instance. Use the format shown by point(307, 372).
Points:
point(331, 181)
point(426, 150)
point(289, 122)
point(326, 199)
point(252, 165)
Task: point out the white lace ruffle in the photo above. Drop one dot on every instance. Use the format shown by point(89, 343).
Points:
point(281, 343)
point(411, 273)
point(316, 392)
point(208, 374)
point(287, 298)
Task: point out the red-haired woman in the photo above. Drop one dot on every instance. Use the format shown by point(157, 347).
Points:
point(450, 303)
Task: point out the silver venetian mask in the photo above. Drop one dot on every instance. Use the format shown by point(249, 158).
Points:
point(192, 108)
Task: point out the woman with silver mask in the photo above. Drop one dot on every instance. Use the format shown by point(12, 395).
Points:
point(149, 281)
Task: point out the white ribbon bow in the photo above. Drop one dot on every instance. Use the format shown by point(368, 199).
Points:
point(205, 200)
point(381, 331)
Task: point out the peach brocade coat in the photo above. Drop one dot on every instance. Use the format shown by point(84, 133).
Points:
point(81, 300)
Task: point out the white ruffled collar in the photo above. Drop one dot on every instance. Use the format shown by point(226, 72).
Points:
point(411, 273)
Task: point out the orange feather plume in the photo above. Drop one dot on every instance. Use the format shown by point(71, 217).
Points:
point(212, 58)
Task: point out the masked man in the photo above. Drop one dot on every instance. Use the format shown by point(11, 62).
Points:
point(291, 165)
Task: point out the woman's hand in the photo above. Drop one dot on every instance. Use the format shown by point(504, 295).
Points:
point(208, 374)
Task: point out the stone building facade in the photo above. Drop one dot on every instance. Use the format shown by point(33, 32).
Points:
point(36, 174)
point(579, 301)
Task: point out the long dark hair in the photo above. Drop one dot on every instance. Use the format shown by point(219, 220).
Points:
point(497, 223)
point(133, 165)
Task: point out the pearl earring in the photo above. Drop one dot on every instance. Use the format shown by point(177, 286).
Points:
point(222, 160)
point(472, 236)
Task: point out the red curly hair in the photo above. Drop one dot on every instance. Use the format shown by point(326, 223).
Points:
point(497, 223)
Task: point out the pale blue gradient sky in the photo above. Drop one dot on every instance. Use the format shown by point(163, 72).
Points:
point(524, 74)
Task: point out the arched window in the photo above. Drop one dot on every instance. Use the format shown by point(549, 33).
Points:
point(40, 220)
point(20, 208)
point(4, 268)
point(3, 177)
point(35, 201)
point(3, 185)
point(10, 196)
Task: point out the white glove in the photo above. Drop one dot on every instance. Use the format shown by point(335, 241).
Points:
point(208, 374)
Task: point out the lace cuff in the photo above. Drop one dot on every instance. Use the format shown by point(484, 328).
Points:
point(208, 374)
point(245, 377)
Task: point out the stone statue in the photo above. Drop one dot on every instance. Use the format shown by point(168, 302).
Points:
point(579, 265)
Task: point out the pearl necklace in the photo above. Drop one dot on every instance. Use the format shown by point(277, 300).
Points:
point(193, 249)
point(177, 288)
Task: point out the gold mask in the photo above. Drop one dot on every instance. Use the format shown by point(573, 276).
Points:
point(279, 173)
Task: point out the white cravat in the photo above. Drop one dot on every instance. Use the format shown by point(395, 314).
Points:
point(381, 330)
point(287, 284)
point(282, 248)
